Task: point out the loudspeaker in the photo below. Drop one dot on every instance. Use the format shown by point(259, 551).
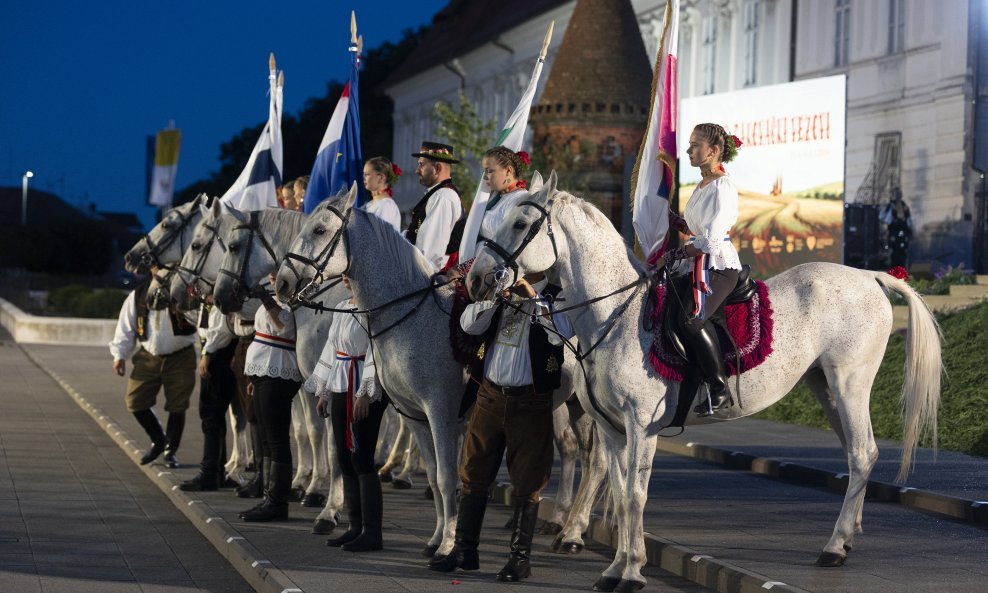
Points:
point(862, 239)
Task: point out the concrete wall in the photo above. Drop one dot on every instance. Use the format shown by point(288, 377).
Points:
point(32, 329)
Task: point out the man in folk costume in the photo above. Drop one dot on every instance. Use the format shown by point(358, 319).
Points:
point(438, 216)
point(518, 368)
point(163, 357)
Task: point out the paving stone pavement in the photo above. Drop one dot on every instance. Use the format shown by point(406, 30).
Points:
point(771, 527)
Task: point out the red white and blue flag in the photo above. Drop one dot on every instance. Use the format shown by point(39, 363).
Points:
point(654, 174)
point(339, 162)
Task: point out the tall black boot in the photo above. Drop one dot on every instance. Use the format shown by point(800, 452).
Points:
point(351, 494)
point(469, 520)
point(149, 422)
point(173, 433)
point(371, 513)
point(519, 566)
point(260, 483)
point(704, 345)
point(275, 505)
point(255, 487)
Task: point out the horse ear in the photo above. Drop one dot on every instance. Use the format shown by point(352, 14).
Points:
point(240, 216)
point(553, 180)
point(350, 199)
point(547, 190)
point(536, 184)
point(213, 209)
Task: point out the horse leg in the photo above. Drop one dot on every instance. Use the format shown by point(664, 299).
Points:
point(570, 539)
point(236, 464)
point(422, 433)
point(303, 468)
point(617, 463)
point(316, 432)
point(328, 518)
point(409, 465)
point(640, 455)
point(397, 452)
point(566, 444)
point(851, 391)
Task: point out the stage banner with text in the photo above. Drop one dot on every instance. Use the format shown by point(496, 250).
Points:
point(789, 171)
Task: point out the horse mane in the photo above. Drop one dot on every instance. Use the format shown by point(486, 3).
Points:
point(586, 211)
point(283, 225)
point(410, 263)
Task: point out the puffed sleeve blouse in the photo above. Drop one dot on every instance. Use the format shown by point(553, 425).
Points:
point(711, 212)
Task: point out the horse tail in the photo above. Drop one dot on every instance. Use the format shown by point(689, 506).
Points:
point(920, 397)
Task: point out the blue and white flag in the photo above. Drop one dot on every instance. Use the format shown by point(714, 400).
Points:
point(257, 186)
point(339, 162)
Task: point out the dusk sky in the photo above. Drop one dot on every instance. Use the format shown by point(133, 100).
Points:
point(84, 83)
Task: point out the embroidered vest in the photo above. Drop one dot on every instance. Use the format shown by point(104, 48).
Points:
point(546, 358)
point(418, 217)
point(180, 325)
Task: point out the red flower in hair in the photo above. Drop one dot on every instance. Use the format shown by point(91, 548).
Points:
point(899, 272)
point(522, 184)
point(737, 141)
point(396, 170)
point(524, 157)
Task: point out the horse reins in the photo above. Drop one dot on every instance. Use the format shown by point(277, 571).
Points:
point(253, 225)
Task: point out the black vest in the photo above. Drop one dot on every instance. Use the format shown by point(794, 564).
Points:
point(418, 217)
point(180, 325)
point(546, 358)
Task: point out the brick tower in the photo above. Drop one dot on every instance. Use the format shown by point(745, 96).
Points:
point(592, 114)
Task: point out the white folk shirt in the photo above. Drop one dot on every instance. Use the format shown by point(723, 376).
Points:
point(496, 215)
point(508, 361)
point(710, 213)
point(441, 212)
point(347, 337)
point(272, 353)
point(161, 340)
point(387, 210)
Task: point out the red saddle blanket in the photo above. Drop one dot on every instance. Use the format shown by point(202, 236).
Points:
point(749, 323)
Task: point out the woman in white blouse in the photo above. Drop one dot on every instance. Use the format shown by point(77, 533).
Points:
point(346, 361)
point(380, 175)
point(273, 379)
point(714, 263)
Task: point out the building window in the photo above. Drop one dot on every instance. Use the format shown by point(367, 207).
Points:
point(897, 26)
point(709, 53)
point(842, 33)
point(751, 41)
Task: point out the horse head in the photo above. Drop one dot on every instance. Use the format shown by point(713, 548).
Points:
point(165, 243)
point(196, 273)
point(320, 250)
point(523, 244)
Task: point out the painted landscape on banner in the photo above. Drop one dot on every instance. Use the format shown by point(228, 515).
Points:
point(789, 171)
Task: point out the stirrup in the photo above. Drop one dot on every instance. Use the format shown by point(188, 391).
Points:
point(708, 406)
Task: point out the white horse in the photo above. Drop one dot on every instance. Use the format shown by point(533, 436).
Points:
point(200, 273)
point(831, 328)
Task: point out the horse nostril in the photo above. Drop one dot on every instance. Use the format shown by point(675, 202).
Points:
point(475, 285)
point(283, 287)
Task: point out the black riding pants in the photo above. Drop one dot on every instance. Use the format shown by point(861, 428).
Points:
point(273, 407)
point(722, 282)
point(364, 432)
point(215, 396)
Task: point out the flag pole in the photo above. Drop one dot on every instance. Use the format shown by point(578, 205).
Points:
point(545, 44)
point(353, 27)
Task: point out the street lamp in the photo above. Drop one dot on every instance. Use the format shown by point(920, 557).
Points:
point(24, 179)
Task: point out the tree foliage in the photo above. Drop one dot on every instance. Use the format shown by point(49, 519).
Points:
point(470, 136)
point(302, 132)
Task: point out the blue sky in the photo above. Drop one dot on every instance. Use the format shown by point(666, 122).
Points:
point(83, 83)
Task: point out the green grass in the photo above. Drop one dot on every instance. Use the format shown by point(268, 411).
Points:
point(963, 420)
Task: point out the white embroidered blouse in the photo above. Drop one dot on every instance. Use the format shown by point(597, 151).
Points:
point(710, 213)
point(387, 210)
point(272, 353)
point(346, 342)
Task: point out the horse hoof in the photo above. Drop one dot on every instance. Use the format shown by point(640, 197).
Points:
point(323, 527)
point(847, 548)
point(550, 528)
point(571, 548)
point(428, 494)
point(606, 583)
point(296, 494)
point(399, 484)
point(429, 551)
point(830, 560)
point(629, 586)
point(385, 476)
point(314, 500)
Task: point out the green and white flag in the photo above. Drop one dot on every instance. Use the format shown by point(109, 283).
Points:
point(511, 137)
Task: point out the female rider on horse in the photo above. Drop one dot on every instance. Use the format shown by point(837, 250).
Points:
point(709, 256)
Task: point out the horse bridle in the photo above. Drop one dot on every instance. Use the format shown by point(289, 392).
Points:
point(321, 259)
point(153, 253)
point(510, 260)
point(196, 270)
point(253, 225)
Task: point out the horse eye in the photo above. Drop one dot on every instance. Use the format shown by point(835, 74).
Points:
point(319, 231)
point(233, 248)
point(195, 246)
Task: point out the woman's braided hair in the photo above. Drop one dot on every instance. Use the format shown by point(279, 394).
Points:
point(716, 135)
point(506, 157)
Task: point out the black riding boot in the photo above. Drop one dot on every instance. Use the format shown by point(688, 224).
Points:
point(210, 476)
point(469, 520)
point(275, 505)
point(149, 422)
point(261, 482)
point(351, 493)
point(372, 515)
point(255, 487)
point(704, 345)
point(519, 566)
point(176, 426)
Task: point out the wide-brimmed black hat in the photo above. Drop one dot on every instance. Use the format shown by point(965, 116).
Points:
point(437, 152)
